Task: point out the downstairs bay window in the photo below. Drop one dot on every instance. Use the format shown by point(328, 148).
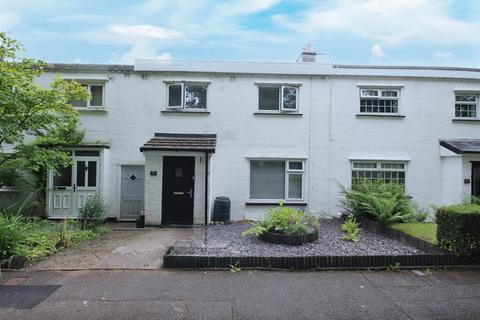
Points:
point(386, 171)
point(276, 179)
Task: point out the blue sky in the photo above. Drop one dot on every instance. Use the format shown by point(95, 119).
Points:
point(397, 32)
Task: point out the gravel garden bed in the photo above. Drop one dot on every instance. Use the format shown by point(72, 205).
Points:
point(227, 241)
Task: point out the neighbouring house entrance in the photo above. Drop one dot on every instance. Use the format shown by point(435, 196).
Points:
point(178, 190)
point(73, 185)
point(132, 192)
point(476, 179)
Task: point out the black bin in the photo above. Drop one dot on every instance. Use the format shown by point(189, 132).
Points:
point(221, 209)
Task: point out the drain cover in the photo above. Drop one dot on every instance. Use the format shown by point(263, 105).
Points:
point(24, 297)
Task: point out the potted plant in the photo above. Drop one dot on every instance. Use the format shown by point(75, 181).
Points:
point(286, 225)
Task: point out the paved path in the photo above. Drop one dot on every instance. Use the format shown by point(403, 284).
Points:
point(119, 249)
point(161, 294)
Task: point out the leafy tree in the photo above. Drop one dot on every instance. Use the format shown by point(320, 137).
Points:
point(34, 120)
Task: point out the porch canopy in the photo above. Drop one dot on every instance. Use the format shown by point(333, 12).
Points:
point(462, 146)
point(181, 142)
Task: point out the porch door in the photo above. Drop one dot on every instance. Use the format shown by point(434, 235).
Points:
point(476, 179)
point(132, 192)
point(73, 185)
point(177, 195)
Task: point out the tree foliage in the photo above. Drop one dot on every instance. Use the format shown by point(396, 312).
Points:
point(34, 119)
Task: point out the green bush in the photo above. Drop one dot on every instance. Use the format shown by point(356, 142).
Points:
point(352, 230)
point(284, 220)
point(38, 245)
point(385, 202)
point(13, 229)
point(458, 229)
point(92, 214)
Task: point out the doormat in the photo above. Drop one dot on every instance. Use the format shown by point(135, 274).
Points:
point(24, 297)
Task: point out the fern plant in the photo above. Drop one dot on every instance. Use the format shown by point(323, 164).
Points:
point(352, 230)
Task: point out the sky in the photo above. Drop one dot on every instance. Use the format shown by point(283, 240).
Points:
point(379, 32)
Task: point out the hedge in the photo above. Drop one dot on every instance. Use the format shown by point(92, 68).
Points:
point(458, 229)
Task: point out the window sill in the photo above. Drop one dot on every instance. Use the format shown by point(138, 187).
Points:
point(274, 203)
point(465, 120)
point(277, 113)
point(186, 111)
point(381, 115)
point(8, 190)
point(99, 109)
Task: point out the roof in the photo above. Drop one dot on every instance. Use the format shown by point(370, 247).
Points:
point(462, 146)
point(85, 67)
point(181, 142)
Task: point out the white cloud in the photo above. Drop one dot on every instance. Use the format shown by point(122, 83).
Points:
point(234, 8)
point(144, 31)
point(140, 51)
point(8, 20)
point(377, 51)
point(441, 55)
point(392, 23)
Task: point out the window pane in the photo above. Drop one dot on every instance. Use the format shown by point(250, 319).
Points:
point(97, 96)
point(364, 165)
point(294, 186)
point(290, 98)
point(468, 98)
point(175, 95)
point(87, 153)
point(267, 179)
point(195, 97)
point(295, 165)
point(369, 93)
point(269, 99)
point(92, 173)
point(80, 103)
point(63, 178)
point(81, 166)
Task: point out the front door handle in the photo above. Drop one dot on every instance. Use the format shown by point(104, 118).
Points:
point(190, 193)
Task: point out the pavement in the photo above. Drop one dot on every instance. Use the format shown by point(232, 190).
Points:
point(123, 248)
point(162, 294)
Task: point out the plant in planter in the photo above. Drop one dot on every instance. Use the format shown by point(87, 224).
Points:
point(286, 225)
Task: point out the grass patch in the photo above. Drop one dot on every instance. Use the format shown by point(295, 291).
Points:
point(424, 231)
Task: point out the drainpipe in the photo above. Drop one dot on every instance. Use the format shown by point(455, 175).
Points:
point(206, 188)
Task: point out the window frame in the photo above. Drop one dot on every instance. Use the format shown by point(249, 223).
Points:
point(379, 96)
point(184, 84)
point(281, 106)
point(287, 173)
point(379, 168)
point(89, 85)
point(476, 104)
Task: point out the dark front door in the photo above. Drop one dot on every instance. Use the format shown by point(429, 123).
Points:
point(177, 200)
point(476, 179)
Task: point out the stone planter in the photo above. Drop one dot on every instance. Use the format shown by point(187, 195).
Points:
point(290, 239)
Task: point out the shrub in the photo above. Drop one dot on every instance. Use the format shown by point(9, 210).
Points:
point(12, 232)
point(352, 229)
point(92, 214)
point(385, 202)
point(284, 220)
point(38, 245)
point(458, 229)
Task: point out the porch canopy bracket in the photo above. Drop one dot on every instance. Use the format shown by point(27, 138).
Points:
point(462, 146)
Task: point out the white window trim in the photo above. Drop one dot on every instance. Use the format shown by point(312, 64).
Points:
point(280, 87)
point(379, 166)
point(379, 96)
point(476, 103)
point(287, 171)
point(184, 84)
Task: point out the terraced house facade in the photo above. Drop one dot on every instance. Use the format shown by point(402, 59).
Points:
point(167, 137)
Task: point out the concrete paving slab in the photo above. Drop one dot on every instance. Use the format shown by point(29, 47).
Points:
point(395, 279)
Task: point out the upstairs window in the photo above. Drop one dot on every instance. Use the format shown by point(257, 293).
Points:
point(278, 98)
point(96, 97)
point(466, 106)
point(182, 95)
point(386, 171)
point(379, 101)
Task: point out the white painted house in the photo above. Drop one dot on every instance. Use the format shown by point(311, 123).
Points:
point(170, 136)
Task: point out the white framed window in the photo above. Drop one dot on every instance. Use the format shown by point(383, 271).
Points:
point(379, 100)
point(96, 101)
point(386, 171)
point(278, 98)
point(186, 95)
point(277, 179)
point(466, 106)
